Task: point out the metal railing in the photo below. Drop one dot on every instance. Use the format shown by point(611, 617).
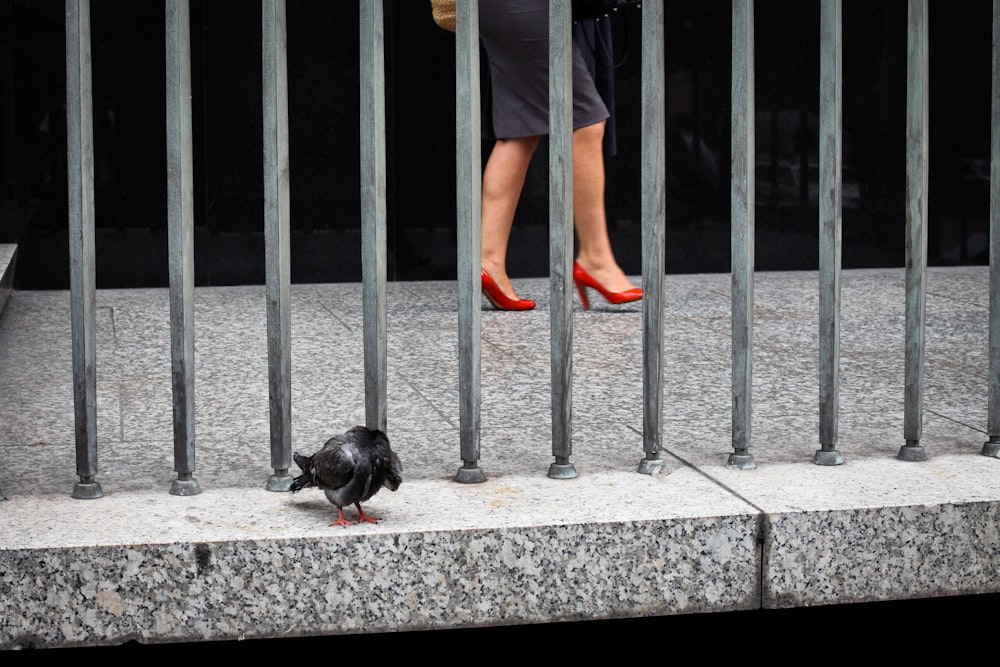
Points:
point(468, 168)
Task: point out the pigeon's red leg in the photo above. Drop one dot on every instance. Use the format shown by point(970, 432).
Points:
point(341, 521)
point(365, 517)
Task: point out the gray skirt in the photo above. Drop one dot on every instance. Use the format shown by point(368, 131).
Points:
point(515, 36)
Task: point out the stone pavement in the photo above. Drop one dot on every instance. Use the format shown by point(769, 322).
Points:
point(238, 561)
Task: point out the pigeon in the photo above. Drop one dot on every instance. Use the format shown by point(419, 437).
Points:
point(350, 468)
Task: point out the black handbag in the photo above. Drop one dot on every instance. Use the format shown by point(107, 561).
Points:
point(596, 9)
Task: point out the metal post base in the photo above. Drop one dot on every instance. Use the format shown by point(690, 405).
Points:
point(651, 466)
point(470, 475)
point(279, 481)
point(741, 461)
point(990, 448)
point(830, 457)
point(912, 453)
point(87, 490)
point(185, 486)
point(562, 471)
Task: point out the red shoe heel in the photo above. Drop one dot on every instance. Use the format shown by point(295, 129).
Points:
point(500, 300)
point(582, 290)
point(584, 280)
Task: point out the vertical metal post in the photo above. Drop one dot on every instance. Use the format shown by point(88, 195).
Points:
point(373, 235)
point(992, 446)
point(653, 231)
point(917, 80)
point(180, 211)
point(7, 155)
point(561, 234)
point(742, 203)
point(83, 293)
point(276, 239)
point(830, 191)
point(468, 169)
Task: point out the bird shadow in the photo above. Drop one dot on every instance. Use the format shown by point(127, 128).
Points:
point(322, 510)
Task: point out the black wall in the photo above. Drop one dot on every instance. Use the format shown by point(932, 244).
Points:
point(129, 131)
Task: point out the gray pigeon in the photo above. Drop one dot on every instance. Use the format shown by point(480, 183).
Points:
point(351, 468)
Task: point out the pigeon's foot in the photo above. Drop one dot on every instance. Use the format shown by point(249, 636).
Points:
point(365, 517)
point(341, 521)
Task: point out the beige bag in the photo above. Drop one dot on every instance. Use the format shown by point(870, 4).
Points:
point(444, 14)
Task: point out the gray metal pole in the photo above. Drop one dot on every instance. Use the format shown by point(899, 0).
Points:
point(561, 234)
point(180, 211)
point(917, 80)
point(83, 293)
point(7, 159)
point(373, 235)
point(830, 184)
point(276, 239)
point(992, 446)
point(468, 167)
point(742, 204)
point(653, 230)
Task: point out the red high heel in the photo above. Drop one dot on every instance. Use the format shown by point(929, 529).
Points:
point(584, 280)
point(500, 300)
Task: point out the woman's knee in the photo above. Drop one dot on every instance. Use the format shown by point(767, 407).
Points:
point(593, 133)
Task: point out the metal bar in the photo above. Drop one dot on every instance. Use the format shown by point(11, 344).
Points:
point(180, 211)
point(992, 446)
point(468, 168)
point(653, 231)
point(561, 234)
point(830, 222)
point(276, 239)
point(373, 234)
point(742, 203)
point(83, 293)
point(917, 80)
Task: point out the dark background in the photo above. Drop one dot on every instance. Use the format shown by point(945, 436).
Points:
point(130, 136)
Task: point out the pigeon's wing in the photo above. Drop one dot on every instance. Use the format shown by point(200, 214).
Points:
point(342, 470)
point(333, 465)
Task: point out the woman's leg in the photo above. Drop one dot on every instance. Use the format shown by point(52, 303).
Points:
point(594, 251)
point(503, 180)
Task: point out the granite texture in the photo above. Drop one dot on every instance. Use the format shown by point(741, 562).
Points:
point(231, 564)
point(378, 583)
point(700, 536)
point(871, 554)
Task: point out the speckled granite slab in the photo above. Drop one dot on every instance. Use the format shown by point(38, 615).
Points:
point(239, 561)
point(250, 563)
point(885, 553)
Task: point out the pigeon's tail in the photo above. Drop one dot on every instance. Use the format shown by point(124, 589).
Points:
point(306, 478)
point(303, 462)
point(393, 475)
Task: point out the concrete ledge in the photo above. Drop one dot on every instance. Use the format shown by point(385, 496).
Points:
point(275, 568)
point(248, 563)
point(876, 554)
point(369, 579)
